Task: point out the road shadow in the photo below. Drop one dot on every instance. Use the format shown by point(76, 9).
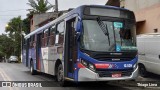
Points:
point(149, 77)
point(153, 76)
point(49, 81)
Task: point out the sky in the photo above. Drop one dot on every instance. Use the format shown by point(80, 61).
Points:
point(14, 8)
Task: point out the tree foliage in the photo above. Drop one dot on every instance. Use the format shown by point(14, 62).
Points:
point(26, 25)
point(6, 46)
point(14, 25)
point(39, 6)
point(14, 29)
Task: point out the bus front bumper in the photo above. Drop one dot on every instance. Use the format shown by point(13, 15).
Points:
point(86, 74)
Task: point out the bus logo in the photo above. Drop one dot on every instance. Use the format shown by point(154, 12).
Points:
point(113, 66)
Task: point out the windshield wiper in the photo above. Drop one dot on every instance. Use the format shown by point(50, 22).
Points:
point(103, 28)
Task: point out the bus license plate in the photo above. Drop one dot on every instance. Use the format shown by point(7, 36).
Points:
point(116, 75)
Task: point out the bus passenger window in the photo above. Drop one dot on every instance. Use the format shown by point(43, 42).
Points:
point(52, 35)
point(60, 33)
point(46, 33)
point(42, 40)
point(31, 41)
point(39, 40)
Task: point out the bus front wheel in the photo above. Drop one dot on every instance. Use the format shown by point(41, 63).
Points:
point(60, 76)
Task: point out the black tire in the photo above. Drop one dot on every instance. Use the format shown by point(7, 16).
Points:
point(33, 72)
point(142, 71)
point(60, 76)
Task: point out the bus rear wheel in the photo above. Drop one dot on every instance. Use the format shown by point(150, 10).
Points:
point(33, 72)
point(60, 76)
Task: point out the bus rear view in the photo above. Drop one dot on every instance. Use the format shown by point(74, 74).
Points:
point(107, 49)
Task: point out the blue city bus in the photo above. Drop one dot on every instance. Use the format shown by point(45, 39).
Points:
point(89, 43)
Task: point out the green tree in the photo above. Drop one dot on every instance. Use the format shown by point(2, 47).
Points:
point(6, 46)
point(26, 25)
point(14, 29)
point(39, 6)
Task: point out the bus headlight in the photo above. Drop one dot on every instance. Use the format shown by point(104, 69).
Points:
point(135, 66)
point(88, 65)
point(84, 63)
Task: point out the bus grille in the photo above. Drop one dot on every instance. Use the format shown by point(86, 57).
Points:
point(113, 59)
point(108, 73)
point(112, 56)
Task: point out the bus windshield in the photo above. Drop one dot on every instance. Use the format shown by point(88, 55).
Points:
point(118, 38)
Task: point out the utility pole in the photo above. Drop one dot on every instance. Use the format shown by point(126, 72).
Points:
point(21, 24)
point(56, 7)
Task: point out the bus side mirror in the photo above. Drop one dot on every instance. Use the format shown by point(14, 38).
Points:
point(78, 26)
point(77, 35)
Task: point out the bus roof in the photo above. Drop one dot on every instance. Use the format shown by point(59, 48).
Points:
point(77, 10)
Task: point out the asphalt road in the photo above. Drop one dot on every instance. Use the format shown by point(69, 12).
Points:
point(18, 72)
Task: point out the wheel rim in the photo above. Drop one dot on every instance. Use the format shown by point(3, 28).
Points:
point(60, 73)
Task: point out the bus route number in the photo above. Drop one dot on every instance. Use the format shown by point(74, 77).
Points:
point(127, 65)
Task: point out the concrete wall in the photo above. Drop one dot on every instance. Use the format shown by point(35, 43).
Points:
point(39, 18)
point(148, 19)
point(147, 14)
point(136, 5)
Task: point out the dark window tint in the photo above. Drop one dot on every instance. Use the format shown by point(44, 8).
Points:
point(60, 33)
point(52, 35)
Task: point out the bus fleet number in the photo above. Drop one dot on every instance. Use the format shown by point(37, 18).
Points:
point(127, 65)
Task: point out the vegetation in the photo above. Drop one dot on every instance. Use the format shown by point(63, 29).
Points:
point(15, 29)
point(11, 44)
point(6, 46)
point(39, 6)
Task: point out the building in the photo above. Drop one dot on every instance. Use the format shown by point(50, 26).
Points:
point(146, 12)
point(38, 20)
point(113, 3)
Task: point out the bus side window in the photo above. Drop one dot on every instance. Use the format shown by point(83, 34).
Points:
point(31, 41)
point(52, 35)
point(42, 40)
point(39, 40)
point(60, 33)
point(24, 43)
point(46, 34)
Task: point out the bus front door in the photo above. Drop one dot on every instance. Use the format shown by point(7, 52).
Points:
point(38, 51)
point(70, 53)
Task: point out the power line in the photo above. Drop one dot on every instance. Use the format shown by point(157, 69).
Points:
point(13, 10)
point(12, 15)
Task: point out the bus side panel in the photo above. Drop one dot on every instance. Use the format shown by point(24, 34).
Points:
point(48, 59)
point(26, 52)
point(45, 59)
point(31, 56)
point(40, 64)
point(51, 60)
point(24, 57)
